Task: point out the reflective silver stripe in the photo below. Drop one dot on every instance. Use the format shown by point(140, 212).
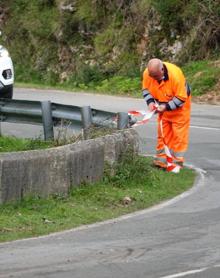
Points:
point(175, 103)
point(145, 92)
point(147, 96)
point(162, 151)
point(175, 154)
point(178, 101)
point(172, 105)
point(178, 154)
point(161, 159)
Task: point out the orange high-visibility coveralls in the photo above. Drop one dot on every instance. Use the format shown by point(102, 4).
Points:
point(175, 122)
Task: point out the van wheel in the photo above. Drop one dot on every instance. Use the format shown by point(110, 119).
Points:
point(7, 92)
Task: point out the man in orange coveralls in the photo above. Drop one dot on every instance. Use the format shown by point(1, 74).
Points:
point(165, 84)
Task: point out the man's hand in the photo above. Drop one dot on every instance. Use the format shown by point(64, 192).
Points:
point(152, 106)
point(161, 108)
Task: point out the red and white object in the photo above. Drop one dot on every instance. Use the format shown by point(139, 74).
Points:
point(147, 115)
point(171, 167)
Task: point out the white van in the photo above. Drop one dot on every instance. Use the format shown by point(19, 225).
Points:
point(6, 74)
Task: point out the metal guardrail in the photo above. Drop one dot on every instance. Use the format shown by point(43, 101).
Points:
point(50, 114)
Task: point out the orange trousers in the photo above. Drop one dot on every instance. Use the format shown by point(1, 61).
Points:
point(175, 135)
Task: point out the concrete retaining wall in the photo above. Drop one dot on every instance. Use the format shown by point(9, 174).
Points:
point(56, 170)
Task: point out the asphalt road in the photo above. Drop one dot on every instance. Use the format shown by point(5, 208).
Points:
point(180, 238)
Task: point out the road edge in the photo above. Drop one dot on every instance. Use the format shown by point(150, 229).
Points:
point(198, 183)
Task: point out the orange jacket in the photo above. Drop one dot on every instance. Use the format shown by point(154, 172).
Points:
point(174, 92)
point(173, 86)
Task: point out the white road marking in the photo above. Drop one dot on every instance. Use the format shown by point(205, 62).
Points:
point(189, 272)
point(186, 273)
point(204, 127)
point(191, 126)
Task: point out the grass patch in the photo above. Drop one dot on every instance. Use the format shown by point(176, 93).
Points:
point(13, 144)
point(201, 75)
point(119, 84)
point(135, 178)
point(116, 85)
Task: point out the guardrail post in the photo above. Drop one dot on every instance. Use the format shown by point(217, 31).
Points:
point(86, 114)
point(1, 117)
point(122, 120)
point(47, 120)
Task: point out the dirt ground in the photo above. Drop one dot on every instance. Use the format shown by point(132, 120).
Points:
point(212, 97)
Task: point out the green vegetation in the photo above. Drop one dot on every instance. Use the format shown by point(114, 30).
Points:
point(120, 85)
point(201, 75)
point(134, 178)
point(104, 46)
point(13, 144)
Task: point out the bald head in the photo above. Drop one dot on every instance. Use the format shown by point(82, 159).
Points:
point(155, 69)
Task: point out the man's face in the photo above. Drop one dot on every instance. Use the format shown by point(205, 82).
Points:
point(157, 74)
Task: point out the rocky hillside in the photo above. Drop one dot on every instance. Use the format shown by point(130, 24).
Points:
point(84, 40)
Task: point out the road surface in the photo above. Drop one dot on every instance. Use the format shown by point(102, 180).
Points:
point(180, 238)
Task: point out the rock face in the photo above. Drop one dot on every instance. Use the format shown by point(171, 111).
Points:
point(3, 16)
point(79, 41)
point(56, 170)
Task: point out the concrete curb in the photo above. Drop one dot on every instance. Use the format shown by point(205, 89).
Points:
point(56, 170)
